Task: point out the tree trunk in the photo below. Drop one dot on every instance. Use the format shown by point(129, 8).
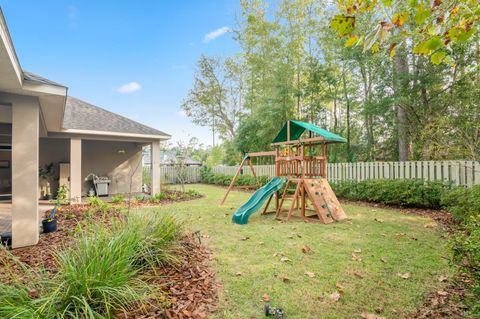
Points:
point(347, 102)
point(401, 89)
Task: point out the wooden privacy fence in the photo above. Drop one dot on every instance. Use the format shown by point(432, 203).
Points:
point(168, 174)
point(466, 173)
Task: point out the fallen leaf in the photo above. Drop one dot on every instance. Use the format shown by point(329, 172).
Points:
point(430, 225)
point(356, 258)
point(442, 278)
point(340, 288)
point(309, 274)
point(357, 274)
point(266, 298)
point(404, 275)
point(442, 293)
point(238, 274)
point(285, 279)
point(278, 254)
point(284, 259)
point(307, 250)
point(245, 238)
point(383, 259)
point(370, 316)
point(290, 236)
point(335, 296)
point(378, 220)
point(358, 251)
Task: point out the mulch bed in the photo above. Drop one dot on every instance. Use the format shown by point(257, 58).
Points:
point(190, 286)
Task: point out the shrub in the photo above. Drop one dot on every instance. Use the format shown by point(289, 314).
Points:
point(98, 204)
point(157, 198)
point(100, 275)
point(462, 202)
point(192, 193)
point(465, 247)
point(400, 192)
point(120, 198)
point(209, 177)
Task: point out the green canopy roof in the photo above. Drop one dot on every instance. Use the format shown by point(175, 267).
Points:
point(297, 128)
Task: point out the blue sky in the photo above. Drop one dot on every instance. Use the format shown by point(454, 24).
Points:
point(135, 58)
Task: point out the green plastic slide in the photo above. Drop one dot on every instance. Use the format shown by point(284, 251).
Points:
point(256, 201)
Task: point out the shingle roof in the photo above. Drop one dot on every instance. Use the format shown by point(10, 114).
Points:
point(38, 79)
point(81, 115)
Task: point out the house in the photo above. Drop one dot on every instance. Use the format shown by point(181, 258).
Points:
point(41, 124)
point(168, 157)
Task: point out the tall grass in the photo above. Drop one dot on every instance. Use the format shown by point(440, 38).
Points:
point(102, 273)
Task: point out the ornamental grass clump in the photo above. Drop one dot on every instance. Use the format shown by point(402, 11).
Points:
point(101, 274)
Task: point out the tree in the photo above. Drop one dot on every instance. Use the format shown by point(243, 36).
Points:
point(434, 27)
point(216, 99)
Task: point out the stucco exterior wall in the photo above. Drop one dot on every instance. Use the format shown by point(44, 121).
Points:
point(116, 160)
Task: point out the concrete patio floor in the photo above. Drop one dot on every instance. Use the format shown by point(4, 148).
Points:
point(6, 215)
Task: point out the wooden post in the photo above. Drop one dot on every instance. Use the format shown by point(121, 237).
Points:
point(253, 172)
point(233, 180)
point(297, 190)
point(324, 161)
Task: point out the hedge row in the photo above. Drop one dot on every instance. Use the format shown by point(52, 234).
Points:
point(225, 180)
point(398, 192)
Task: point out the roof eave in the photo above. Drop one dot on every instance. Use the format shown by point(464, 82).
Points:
point(116, 134)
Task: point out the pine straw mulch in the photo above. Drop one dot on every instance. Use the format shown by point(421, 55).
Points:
point(190, 287)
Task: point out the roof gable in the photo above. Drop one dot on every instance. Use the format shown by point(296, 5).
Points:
point(80, 115)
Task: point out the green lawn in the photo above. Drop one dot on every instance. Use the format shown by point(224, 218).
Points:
point(390, 243)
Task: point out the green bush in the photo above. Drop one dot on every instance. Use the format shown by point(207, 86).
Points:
point(462, 202)
point(209, 177)
point(465, 247)
point(157, 198)
point(192, 193)
point(98, 205)
point(120, 198)
point(399, 192)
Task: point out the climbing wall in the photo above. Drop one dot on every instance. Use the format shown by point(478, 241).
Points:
point(325, 202)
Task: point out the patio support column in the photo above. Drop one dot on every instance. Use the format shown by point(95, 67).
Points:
point(25, 140)
point(155, 153)
point(76, 170)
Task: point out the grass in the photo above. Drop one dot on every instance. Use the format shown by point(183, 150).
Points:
point(391, 243)
point(100, 274)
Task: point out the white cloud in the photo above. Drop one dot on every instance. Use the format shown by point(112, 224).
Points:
point(128, 88)
point(215, 34)
point(181, 113)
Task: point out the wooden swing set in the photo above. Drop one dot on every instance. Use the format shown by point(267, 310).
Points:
point(302, 161)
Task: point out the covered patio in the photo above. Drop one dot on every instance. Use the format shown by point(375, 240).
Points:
point(41, 125)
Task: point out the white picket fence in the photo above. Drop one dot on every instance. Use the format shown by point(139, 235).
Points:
point(466, 173)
